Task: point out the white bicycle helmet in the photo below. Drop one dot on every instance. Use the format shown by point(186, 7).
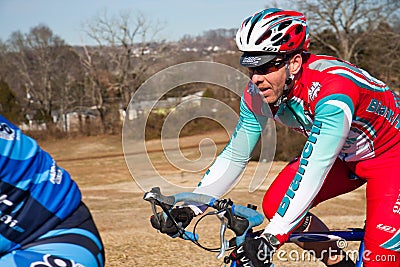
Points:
point(269, 33)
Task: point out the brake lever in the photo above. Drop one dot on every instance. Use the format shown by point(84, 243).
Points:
point(224, 243)
point(155, 197)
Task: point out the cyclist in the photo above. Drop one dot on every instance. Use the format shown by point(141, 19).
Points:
point(352, 122)
point(43, 221)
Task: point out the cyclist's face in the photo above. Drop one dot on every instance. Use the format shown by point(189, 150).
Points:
point(270, 79)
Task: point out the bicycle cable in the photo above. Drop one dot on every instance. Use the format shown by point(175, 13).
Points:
point(182, 233)
point(194, 231)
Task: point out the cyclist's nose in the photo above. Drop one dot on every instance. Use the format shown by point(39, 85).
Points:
point(256, 78)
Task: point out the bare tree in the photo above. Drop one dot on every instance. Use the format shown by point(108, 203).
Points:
point(123, 47)
point(40, 60)
point(3, 55)
point(381, 56)
point(350, 21)
point(68, 78)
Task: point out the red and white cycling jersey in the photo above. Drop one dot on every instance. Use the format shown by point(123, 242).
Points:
point(345, 113)
point(369, 105)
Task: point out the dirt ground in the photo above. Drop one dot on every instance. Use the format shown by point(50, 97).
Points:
point(115, 200)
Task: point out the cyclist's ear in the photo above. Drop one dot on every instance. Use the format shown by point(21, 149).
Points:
point(295, 64)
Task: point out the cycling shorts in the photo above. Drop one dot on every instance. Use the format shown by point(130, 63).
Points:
point(382, 234)
point(73, 243)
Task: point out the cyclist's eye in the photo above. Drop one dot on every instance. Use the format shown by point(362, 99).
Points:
point(278, 63)
point(268, 67)
point(275, 65)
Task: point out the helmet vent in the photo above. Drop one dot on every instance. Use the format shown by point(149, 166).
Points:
point(276, 37)
point(254, 22)
point(282, 41)
point(284, 25)
point(247, 21)
point(266, 35)
point(298, 29)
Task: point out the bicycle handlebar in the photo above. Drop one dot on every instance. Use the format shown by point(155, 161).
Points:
point(238, 218)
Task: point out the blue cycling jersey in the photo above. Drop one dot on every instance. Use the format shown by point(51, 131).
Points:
point(35, 193)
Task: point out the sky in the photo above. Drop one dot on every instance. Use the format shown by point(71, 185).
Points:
point(66, 18)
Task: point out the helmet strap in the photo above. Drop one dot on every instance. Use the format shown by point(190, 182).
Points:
point(289, 77)
point(288, 81)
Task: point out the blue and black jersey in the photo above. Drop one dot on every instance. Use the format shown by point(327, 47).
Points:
point(35, 193)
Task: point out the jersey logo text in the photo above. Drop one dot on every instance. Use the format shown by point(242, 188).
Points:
point(313, 91)
point(376, 107)
point(306, 154)
point(6, 132)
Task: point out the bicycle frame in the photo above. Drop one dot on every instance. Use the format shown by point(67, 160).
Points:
point(252, 216)
point(352, 234)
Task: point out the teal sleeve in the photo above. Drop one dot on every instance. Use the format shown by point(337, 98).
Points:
point(328, 134)
point(230, 163)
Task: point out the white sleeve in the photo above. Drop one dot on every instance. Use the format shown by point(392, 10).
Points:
point(331, 127)
point(230, 163)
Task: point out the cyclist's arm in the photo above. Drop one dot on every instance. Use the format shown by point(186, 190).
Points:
point(229, 165)
point(333, 117)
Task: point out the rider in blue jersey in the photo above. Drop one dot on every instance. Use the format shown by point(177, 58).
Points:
point(43, 221)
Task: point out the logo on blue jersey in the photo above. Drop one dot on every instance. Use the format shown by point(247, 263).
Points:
point(53, 261)
point(55, 174)
point(6, 132)
point(6, 218)
point(4, 200)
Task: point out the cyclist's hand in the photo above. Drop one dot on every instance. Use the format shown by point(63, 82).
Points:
point(256, 252)
point(182, 216)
